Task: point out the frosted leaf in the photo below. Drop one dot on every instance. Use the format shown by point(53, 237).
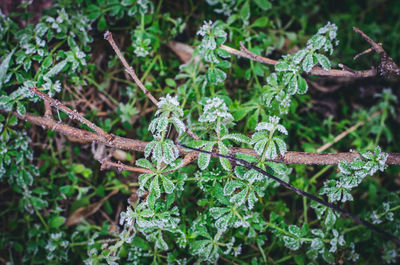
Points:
point(281, 145)
point(215, 108)
point(217, 212)
point(308, 63)
point(222, 222)
point(55, 70)
point(323, 61)
point(271, 152)
point(317, 244)
point(167, 184)
point(231, 186)
point(204, 159)
point(299, 56)
point(259, 146)
point(239, 198)
point(292, 85)
point(281, 67)
point(205, 29)
point(237, 137)
point(179, 125)
point(170, 105)
point(149, 148)
point(251, 200)
point(158, 152)
point(272, 80)
point(291, 243)
point(144, 163)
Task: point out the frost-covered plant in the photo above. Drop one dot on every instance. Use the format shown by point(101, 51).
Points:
point(265, 143)
point(216, 113)
point(213, 36)
point(287, 80)
point(169, 112)
point(352, 173)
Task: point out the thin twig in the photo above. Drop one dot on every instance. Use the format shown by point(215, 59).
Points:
point(387, 67)
point(301, 193)
point(129, 69)
point(73, 114)
point(121, 166)
point(47, 110)
point(378, 48)
point(364, 52)
point(345, 133)
point(139, 146)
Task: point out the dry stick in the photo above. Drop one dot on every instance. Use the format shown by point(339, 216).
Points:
point(108, 36)
point(107, 163)
point(315, 71)
point(301, 193)
point(387, 67)
point(139, 146)
point(378, 48)
point(364, 52)
point(345, 133)
point(73, 114)
point(129, 69)
point(47, 110)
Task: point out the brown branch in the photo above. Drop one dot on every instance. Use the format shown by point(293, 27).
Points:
point(73, 114)
point(47, 110)
point(378, 48)
point(365, 52)
point(139, 146)
point(387, 67)
point(105, 164)
point(129, 69)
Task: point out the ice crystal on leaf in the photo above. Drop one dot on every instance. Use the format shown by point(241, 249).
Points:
point(216, 108)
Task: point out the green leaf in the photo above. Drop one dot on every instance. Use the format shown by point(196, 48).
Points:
point(281, 67)
point(170, 82)
point(55, 69)
point(239, 198)
point(215, 75)
point(271, 151)
point(260, 22)
point(224, 161)
point(237, 137)
point(102, 24)
point(328, 257)
point(291, 242)
point(4, 67)
point(231, 186)
point(292, 86)
point(245, 11)
point(21, 108)
point(323, 61)
point(145, 163)
point(204, 159)
point(149, 147)
point(56, 222)
point(154, 192)
point(167, 184)
point(263, 4)
point(299, 56)
point(308, 63)
point(302, 85)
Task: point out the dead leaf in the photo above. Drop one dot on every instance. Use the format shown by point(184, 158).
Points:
point(183, 51)
point(83, 212)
